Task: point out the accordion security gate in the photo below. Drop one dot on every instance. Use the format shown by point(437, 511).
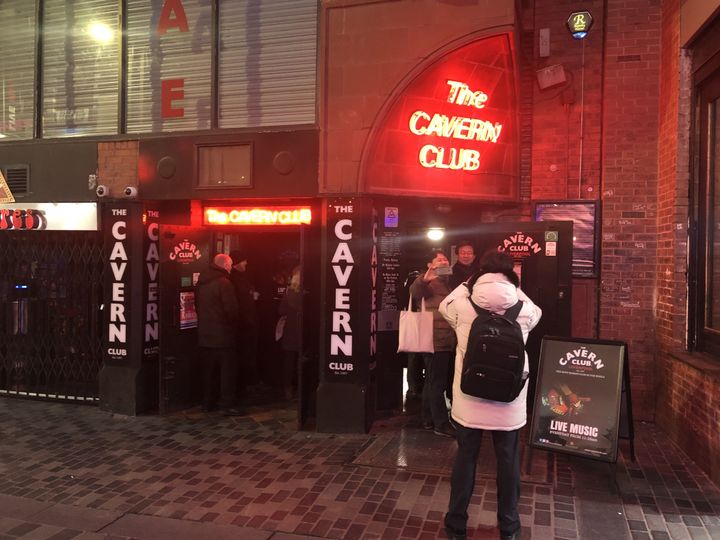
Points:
point(50, 318)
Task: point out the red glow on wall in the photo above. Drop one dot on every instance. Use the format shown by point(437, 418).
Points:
point(250, 216)
point(452, 130)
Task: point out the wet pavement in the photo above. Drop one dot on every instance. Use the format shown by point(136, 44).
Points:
point(69, 471)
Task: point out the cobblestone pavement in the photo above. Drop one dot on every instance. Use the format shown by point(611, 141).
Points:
point(69, 471)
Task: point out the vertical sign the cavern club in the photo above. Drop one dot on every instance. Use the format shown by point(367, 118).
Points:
point(351, 296)
point(151, 301)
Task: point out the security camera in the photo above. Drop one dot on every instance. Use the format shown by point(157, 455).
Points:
point(102, 191)
point(130, 192)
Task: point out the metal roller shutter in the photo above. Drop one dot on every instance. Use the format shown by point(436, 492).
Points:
point(267, 65)
point(81, 65)
point(17, 70)
point(178, 54)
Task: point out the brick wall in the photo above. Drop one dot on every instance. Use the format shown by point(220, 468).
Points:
point(688, 405)
point(117, 165)
point(629, 191)
point(558, 170)
point(673, 179)
point(688, 386)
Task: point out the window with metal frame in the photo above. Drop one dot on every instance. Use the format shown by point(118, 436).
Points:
point(169, 66)
point(18, 25)
point(267, 62)
point(707, 211)
point(80, 68)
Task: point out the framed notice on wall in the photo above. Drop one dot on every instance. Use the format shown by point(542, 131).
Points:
point(188, 314)
point(582, 401)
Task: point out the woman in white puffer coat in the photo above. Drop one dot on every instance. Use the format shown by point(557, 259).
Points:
point(495, 290)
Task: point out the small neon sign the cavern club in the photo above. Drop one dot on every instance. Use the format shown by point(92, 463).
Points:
point(253, 216)
point(452, 130)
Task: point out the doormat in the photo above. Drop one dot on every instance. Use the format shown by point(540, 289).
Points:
point(421, 451)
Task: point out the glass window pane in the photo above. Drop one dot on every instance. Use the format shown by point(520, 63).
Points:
point(18, 22)
point(169, 65)
point(81, 62)
point(267, 62)
point(224, 166)
point(713, 222)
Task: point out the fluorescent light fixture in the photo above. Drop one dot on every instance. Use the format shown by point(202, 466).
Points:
point(436, 234)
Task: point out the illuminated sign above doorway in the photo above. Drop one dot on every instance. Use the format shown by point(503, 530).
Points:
point(249, 216)
point(455, 127)
point(452, 130)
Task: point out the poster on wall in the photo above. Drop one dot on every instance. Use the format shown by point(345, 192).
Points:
point(188, 314)
point(578, 397)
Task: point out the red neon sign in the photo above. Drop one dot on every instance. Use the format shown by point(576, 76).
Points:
point(452, 130)
point(249, 216)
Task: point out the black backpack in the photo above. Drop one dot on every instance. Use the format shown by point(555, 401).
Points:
point(494, 363)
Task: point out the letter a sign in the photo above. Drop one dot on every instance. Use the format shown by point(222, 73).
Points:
point(6, 195)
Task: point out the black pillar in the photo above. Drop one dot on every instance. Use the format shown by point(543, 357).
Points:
point(129, 376)
point(346, 393)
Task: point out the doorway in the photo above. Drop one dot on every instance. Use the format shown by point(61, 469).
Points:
point(271, 255)
point(278, 358)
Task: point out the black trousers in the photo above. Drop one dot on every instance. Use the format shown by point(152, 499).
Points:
point(434, 408)
point(462, 481)
point(219, 373)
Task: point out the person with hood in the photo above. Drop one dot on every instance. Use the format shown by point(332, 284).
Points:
point(496, 289)
point(433, 287)
point(218, 318)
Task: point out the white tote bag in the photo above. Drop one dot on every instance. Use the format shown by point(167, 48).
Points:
point(416, 330)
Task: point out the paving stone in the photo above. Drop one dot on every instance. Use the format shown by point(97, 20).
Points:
point(189, 474)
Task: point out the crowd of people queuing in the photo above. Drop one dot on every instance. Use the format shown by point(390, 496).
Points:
point(229, 324)
point(232, 325)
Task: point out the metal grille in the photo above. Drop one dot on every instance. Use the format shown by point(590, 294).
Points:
point(50, 320)
point(18, 178)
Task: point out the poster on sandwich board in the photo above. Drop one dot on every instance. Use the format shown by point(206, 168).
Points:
point(582, 403)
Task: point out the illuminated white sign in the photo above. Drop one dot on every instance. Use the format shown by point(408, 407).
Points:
point(49, 216)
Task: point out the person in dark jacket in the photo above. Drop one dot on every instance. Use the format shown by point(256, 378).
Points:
point(290, 330)
point(466, 264)
point(218, 315)
point(248, 322)
point(433, 287)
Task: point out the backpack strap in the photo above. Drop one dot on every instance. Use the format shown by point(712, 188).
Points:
point(478, 309)
point(470, 283)
point(513, 312)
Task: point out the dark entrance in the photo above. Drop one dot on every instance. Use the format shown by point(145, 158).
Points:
point(184, 253)
point(272, 256)
point(543, 255)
